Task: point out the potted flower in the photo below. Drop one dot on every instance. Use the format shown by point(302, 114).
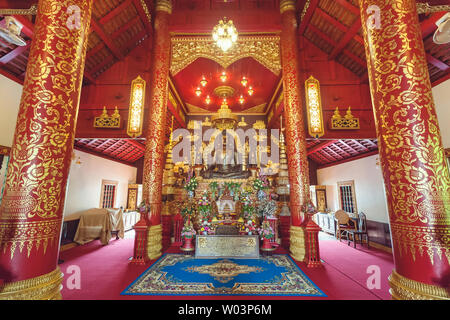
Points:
point(266, 233)
point(259, 184)
point(188, 233)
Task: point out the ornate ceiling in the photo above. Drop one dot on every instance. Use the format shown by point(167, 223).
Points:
point(120, 26)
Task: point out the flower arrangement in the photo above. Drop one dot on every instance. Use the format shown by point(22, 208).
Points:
point(266, 231)
point(206, 227)
point(191, 184)
point(249, 227)
point(213, 186)
point(267, 209)
point(204, 205)
point(260, 183)
point(188, 230)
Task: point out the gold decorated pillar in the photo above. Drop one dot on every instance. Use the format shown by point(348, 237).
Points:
point(295, 129)
point(154, 147)
point(31, 211)
point(412, 156)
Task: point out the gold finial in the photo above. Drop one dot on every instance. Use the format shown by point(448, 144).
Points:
point(104, 113)
point(286, 5)
point(336, 114)
point(164, 5)
point(242, 123)
point(348, 114)
point(116, 113)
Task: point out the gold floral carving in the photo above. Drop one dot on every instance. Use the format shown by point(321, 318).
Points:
point(264, 49)
point(108, 121)
point(43, 141)
point(10, 12)
point(297, 243)
point(45, 287)
point(426, 8)
point(406, 289)
point(29, 234)
point(154, 242)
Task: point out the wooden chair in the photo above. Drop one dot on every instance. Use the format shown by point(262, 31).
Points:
point(360, 232)
point(342, 223)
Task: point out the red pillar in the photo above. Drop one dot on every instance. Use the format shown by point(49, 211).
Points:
point(295, 128)
point(154, 148)
point(32, 207)
point(412, 157)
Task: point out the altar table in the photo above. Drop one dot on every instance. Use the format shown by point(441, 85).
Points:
point(227, 246)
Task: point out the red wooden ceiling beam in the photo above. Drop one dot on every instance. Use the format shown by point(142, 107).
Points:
point(349, 35)
point(95, 50)
point(106, 39)
point(11, 76)
point(100, 66)
point(331, 20)
point(442, 79)
point(437, 63)
point(136, 144)
point(145, 20)
point(14, 53)
point(308, 16)
point(363, 155)
point(113, 13)
point(125, 27)
point(321, 146)
point(350, 7)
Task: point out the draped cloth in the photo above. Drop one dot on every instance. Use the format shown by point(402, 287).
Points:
point(98, 223)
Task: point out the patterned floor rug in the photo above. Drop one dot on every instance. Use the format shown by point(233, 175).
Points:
point(178, 274)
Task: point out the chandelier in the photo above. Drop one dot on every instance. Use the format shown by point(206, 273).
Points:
point(225, 34)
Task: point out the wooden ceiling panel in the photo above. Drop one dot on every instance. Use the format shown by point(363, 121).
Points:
point(338, 12)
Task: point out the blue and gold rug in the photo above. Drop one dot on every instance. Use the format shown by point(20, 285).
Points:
point(178, 274)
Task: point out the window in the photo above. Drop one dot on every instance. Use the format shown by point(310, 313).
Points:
point(347, 197)
point(108, 195)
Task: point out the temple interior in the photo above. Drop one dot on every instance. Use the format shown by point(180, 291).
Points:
point(242, 149)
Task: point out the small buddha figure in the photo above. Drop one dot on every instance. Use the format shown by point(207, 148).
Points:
point(348, 114)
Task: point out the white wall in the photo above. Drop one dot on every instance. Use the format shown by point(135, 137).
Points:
point(441, 95)
point(369, 186)
point(10, 93)
point(85, 182)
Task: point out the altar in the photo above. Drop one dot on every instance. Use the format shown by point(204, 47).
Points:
point(227, 246)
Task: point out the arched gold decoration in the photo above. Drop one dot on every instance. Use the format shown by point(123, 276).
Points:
point(136, 112)
point(314, 107)
point(264, 49)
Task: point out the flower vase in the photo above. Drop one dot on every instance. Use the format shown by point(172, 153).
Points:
point(191, 194)
point(205, 233)
point(249, 233)
point(187, 245)
point(266, 244)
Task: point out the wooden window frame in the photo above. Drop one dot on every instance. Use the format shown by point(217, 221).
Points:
point(350, 183)
point(102, 194)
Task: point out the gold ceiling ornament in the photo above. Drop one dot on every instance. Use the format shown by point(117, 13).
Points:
point(224, 92)
point(11, 12)
point(224, 118)
point(264, 49)
point(136, 111)
point(314, 107)
point(225, 34)
point(164, 5)
point(107, 121)
point(426, 8)
point(348, 122)
point(286, 5)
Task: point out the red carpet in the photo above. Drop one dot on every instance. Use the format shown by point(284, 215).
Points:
point(106, 271)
